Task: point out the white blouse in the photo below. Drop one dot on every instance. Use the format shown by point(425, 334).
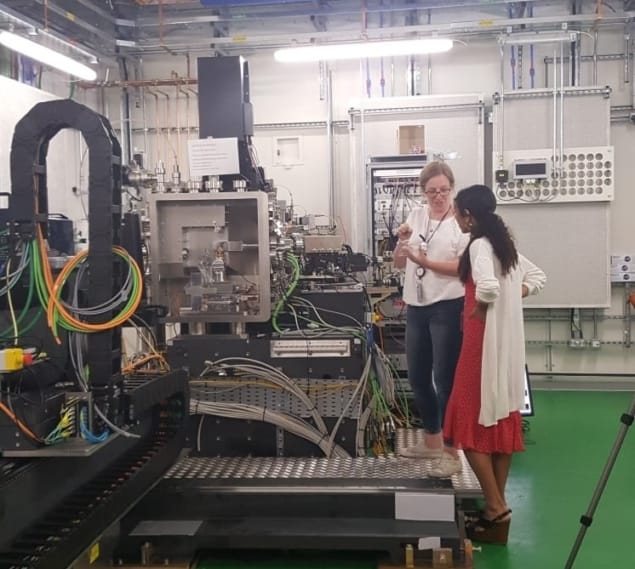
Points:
point(445, 242)
point(503, 363)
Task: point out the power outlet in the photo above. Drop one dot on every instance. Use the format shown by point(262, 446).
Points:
point(596, 344)
point(576, 344)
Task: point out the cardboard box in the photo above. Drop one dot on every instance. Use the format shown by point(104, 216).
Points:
point(411, 139)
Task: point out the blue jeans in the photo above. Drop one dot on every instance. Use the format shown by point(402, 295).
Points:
point(433, 343)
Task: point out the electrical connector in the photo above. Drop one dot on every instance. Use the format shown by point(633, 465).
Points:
point(576, 343)
point(596, 344)
point(14, 359)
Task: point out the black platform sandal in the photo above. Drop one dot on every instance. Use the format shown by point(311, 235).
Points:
point(473, 516)
point(490, 531)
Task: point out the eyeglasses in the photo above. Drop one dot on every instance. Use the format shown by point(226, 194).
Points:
point(435, 191)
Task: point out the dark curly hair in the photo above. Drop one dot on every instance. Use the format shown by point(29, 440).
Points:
point(479, 201)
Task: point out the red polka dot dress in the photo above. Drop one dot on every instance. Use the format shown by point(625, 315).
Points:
point(461, 427)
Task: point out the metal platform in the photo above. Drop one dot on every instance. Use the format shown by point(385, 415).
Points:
point(465, 483)
point(74, 447)
point(365, 473)
point(362, 503)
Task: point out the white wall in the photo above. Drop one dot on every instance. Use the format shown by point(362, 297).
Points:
point(65, 150)
point(284, 94)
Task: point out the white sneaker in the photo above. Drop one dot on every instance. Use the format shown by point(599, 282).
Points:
point(421, 450)
point(446, 467)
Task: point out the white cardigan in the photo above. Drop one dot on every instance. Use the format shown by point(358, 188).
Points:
point(503, 363)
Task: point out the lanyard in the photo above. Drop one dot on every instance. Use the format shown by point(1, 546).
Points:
point(437, 227)
point(420, 271)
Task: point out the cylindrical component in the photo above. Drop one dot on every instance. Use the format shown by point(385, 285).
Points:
point(578, 63)
point(501, 110)
point(176, 175)
point(329, 143)
point(595, 58)
point(627, 57)
point(144, 114)
point(560, 164)
point(409, 557)
point(554, 172)
point(146, 553)
point(160, 176)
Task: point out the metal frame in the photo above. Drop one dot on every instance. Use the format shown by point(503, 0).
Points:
point(69, 508)
point(108, 483)
point(157, 201)
point(141, 30)
point(267, 503)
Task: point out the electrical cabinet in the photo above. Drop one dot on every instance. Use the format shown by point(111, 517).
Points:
point(394, 184)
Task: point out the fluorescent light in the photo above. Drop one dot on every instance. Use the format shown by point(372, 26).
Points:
point(362, 50)
point(47, 56)
point(524, 38)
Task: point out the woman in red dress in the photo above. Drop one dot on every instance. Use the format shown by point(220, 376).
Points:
point(483, 414)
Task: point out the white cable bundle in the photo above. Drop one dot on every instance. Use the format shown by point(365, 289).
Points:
point(289, 423)
point(273, 375)
point(359, 392)
point(276, 376)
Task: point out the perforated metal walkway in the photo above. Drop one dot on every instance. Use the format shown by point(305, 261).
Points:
point(397, 470)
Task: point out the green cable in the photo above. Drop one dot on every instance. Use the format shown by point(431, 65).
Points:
point(43, 296)
point(329, 327)
point(379, 395)
point(281, 302)
point(59, 320)
point(27, 306)
point(404, 399)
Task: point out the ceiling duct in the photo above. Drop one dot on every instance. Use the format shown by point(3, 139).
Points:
point(239, 3)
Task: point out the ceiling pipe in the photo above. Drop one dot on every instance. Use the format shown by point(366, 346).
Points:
point(91, 5)
point(166, 2)
point(452, 30)
point(33, 25)
point(73, 19)
point(139, 83)
point(198, 17)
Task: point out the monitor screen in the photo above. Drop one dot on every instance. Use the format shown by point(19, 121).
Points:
point(528, 408)
point(530, 169)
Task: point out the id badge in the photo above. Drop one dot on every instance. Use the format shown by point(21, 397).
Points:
point(419, 291)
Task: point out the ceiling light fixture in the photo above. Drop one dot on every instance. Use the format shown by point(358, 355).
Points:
point(47, 56)
point(526, 38)
point(362, 50)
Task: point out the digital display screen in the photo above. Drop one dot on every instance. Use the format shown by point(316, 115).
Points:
point(536, 169)
point(528, 408)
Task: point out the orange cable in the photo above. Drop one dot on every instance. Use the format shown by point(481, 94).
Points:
point(55, 302)
point(53, 288)
point(28, 432)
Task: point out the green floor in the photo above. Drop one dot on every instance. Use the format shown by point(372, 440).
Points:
point(551, 485)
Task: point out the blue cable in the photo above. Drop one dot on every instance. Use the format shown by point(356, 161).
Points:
point(87, 434)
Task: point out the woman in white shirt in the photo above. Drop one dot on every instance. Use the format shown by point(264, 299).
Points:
point(483, 413)
point(429, 247)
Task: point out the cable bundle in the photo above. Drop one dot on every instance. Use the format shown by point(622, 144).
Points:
point(269, 373)
point(295, 265)
point(61, 314)
point(287, 422)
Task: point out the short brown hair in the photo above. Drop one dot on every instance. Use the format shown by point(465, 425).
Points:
point(433, 169)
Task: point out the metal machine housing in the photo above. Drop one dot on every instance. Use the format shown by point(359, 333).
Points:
point(210, 256)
